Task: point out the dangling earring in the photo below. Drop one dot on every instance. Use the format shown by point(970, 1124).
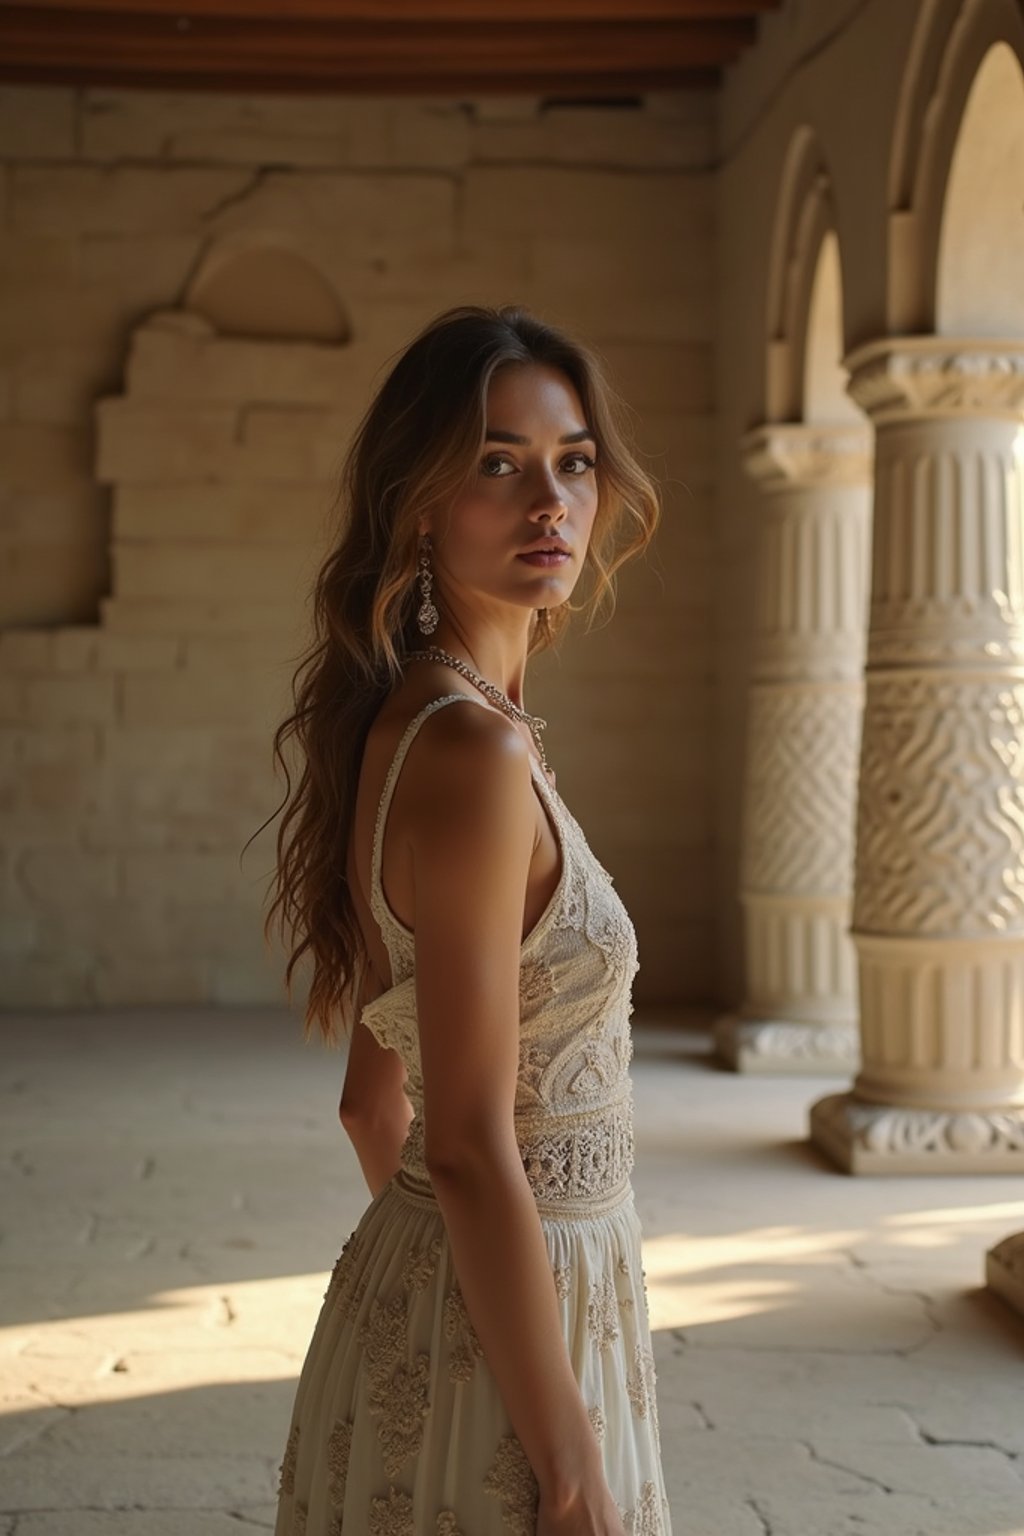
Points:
point(428, 615)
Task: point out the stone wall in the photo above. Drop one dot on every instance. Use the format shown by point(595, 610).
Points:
point(199, 292)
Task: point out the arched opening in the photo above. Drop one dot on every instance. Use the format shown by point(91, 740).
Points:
point(824, 382)
point(978, 287)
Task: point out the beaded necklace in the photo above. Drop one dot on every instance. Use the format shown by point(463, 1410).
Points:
point(492, 691)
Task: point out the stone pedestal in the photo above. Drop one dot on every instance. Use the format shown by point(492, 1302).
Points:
point(804, 735)
point(938, 914)
point(1004, 1271)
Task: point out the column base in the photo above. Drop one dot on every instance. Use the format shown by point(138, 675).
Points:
point(889, 1138)
point(1004, 1271)
point(785, 1048)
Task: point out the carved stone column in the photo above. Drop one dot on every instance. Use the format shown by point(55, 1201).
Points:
point(938, 913)
point(806, 698)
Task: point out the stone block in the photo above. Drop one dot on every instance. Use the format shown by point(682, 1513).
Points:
point(211, 571)
point(68, 876)
point(596, 137)
point(123, 199)
point(38, 259)
point(51, 520)
point(252, 512)
point(43, 457)
point(12, 699)
point(74, 648)
point(69, 700)
point(48, 584)
point(26, 650)
point(177, 442)
point(59, 384)
point(595, 205)
point(37, 122)
point(651, 375)
point(39, 312)
point(368, 214)
point(199, 878)
point(59, 744)
point(181, 358)
point(126, 615)
point(248, 129)
point(144, 268)
point(251, 699)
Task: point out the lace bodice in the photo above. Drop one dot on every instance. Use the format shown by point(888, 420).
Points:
point(573, 1106)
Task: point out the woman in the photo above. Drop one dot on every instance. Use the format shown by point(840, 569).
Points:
point(482, 1361)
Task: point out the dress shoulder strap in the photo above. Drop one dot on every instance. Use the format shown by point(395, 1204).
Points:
point(390, 926)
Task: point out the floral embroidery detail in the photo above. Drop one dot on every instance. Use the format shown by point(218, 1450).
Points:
point(339, 1448)
point(510, 1478)
point(392, 1516)
point(382, 1335)
point(640, 1385)
point(446, 1524)
point(420, 1264)
point(596, 1418)
point(459, 1331)
point(563, 1280)
point(299, 1517)
point(602, 1315)
point(291, 1456)
point(644, 1519)
point(623, 1265)
point(398, 1394)
point(401, 1401)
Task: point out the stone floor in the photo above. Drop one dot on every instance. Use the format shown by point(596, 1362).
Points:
point(177, 1186)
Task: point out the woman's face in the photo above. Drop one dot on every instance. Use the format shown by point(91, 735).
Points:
point(534, 483)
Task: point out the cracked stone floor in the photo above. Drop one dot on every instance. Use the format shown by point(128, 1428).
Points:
point(177, 1187)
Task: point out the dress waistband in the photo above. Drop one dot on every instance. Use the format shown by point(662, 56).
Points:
point(422, 1195)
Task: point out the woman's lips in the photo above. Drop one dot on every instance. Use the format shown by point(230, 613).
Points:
point(545, 557)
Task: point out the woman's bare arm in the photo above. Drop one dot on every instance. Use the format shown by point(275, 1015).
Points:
point(472, 833)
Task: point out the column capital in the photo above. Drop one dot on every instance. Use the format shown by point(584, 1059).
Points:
point(786, 456)
point(914, 376)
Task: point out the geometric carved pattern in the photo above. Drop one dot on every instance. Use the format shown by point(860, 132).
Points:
point(940, 826)
point(801, 789)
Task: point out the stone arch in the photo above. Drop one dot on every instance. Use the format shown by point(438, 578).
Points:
point(805, 217)
point(949, 46)
point(978, 290)
point(263, 289)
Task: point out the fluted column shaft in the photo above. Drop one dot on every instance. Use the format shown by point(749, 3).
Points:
point(803, 739)
point(938, 910)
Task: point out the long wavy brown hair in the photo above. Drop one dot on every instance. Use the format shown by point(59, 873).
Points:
point(414, 450)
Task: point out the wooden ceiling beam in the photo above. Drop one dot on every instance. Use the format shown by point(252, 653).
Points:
point(386, 13)
point(563, 47)
point(562, 58)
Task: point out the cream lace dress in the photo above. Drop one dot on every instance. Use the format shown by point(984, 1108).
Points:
point(398, 1427)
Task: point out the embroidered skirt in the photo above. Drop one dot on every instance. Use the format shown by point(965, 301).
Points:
point(398, 1427)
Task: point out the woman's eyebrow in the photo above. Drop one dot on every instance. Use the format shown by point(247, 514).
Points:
point(495, 435)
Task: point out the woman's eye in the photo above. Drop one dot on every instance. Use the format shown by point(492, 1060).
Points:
point(581, 458)
point(488, 463)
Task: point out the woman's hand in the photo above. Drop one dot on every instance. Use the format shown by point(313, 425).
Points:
point(591, 1511)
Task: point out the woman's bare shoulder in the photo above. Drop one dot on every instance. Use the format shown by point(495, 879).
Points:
point(466, 750)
